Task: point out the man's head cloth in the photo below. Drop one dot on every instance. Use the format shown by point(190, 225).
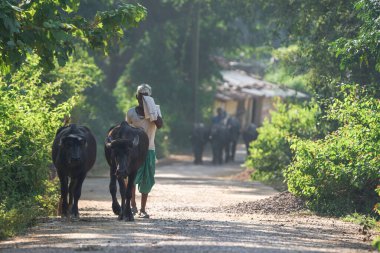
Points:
point(144, 89)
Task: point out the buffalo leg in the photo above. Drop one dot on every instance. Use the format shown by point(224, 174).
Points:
point(64, 190)
point(123, 193)
point(128, 196)
point(71, 192)
point(198, 150)
point(195, 150)
point(227, 152)
point(220, 155)
point(113, 189)
point(200, 153)
point(77, 193)
point(214, 154)
point(233, 150)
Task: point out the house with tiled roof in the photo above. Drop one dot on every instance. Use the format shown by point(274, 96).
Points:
point(249, 98)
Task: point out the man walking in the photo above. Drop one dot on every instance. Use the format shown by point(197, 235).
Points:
point(147, 116)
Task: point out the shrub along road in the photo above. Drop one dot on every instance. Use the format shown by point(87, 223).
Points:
point(191, 211)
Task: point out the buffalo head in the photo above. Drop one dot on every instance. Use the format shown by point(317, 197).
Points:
point(73, 146)
point(123, 152)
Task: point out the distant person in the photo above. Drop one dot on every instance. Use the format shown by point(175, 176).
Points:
point(220, 116)
point(146, 115)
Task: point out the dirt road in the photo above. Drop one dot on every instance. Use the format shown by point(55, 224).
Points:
point(183, 219)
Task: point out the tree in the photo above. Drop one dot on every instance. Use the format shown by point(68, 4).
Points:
point(50, 30)
point(42, 81)
point(337, 40)
point(165, 53)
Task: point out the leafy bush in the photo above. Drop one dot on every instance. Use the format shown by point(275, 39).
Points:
point(270, 154)
point(32, 106)
point(339, 173)
point(376, 241)
point(282, 70)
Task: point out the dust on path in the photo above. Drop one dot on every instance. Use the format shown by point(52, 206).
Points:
point(184, 213)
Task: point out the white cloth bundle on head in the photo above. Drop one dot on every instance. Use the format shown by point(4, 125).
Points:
point(151, 110)
point(144, 88)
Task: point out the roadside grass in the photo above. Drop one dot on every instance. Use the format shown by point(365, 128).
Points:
point(17, 219)
point(18, 213)
point(368, 225)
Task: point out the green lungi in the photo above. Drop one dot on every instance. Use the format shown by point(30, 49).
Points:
point(145, 175)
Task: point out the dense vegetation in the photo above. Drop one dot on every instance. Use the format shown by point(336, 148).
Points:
point(30, 101)
point(45, 74)
point(271, 154)
point(336, 167)
point(82, 59)
point(339, 173)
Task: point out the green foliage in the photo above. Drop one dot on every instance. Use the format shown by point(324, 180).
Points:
point(27, 107)
point(49, 200)
point(50, 30)
point(163, 55)
point(270, 153)
point(32, 106)
point(16, 216)
point(377, 206)
point(281, 71)
point(361, 52)
point(339, 173)
point(43, 84)
point(338, 40)
point(17, 212)
point(364, 220)
point(376, 243)
point(367, 223)
point(157, 64)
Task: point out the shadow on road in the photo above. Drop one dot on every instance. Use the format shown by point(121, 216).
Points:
point(172, 235)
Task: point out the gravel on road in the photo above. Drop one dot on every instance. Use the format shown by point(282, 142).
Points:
point(194, 209)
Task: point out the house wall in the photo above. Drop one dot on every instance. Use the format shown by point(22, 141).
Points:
point(229, 106)
point(267, 106)
point(252, 110)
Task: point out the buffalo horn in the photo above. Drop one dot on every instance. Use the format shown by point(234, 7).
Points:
point(117, 142)
point(73, 136)
point(136, 141)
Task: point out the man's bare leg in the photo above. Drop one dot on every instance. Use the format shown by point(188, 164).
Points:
point(144, 198)
point(133, 199)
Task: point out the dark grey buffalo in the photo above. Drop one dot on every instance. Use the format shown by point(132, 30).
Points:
point(219, 139)
point(233, 126)
point(199, 138)
point(249, 134)
point(73, 154)
point(126, 148)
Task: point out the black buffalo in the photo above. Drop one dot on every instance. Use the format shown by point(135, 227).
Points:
point(126, 148)
point(199, 138)
point(249, 134)
point(219, 139)
point(233, 126)
point(73, 154)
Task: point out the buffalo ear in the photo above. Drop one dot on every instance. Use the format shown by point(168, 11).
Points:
point(136, 141)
